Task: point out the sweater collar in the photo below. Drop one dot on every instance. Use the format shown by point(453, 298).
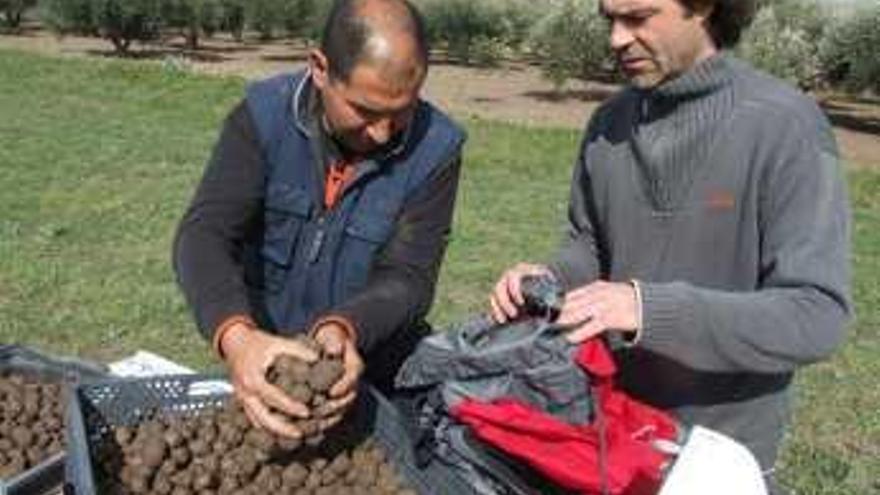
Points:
point(691, 89)
point(706, 77)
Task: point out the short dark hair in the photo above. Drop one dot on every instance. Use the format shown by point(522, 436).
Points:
point(729, 19)
point(346, 35)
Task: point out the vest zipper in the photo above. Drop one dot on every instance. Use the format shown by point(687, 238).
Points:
point(318, 240)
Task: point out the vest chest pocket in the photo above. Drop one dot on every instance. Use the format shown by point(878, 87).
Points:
point(286, 212)
point(366, 233)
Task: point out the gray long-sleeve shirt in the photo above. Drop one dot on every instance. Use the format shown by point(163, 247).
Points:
point(721, 192)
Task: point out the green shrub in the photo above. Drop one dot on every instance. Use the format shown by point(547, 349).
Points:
point(263, 16)
point(68, 16)
point(231, 18)
point(488, 52)
point(124, 21)
point(297, 17)
point(571, 41)
point(13, 10)
point(192, 17)
point(784, 47)
point(315, 28)
point(803, 15)
point(850, 51)
point(463, 25)
point(119, 21)
point(518, 19)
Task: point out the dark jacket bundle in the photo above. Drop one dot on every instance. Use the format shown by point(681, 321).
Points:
point(518, 410)
point(526, 360)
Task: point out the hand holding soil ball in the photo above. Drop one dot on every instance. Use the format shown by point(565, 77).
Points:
point(254, 357)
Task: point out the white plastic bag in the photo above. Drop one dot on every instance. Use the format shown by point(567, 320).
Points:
point(712, 463)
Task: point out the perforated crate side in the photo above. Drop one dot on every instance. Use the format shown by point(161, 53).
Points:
point(49, 474)
point(100, 406)
point(97, 407)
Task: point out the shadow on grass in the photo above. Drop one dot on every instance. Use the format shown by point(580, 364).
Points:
point(292, 58)
point(442, 57)
point(159, 54)
point(592, 94)
point(207, 46)
point(27, 29)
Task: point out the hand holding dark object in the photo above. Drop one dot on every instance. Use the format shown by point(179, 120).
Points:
point(249, 354)
point(507, 299)
point(542, 296)
point(336, 342)
point(599, 307)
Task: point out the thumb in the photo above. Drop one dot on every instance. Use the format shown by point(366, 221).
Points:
point(332, 339)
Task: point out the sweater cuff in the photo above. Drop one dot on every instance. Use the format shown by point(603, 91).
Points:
point(632, 339)
point(663, 306)
point(343, 322)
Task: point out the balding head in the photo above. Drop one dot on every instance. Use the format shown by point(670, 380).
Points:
point(386, 34)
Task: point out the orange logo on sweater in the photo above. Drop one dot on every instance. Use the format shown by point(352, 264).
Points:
point(720, 200)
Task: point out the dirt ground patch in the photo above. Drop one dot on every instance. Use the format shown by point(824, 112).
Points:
point(515, 92)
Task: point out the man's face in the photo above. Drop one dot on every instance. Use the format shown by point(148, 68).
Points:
point(367, 111)
point(656, 40)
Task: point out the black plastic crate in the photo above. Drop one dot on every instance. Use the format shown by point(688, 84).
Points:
point(48, 476)
point(95, 408)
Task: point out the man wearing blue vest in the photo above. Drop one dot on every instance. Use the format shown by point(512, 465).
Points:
point(324, 210)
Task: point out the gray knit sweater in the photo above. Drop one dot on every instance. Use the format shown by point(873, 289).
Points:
point(721, 192)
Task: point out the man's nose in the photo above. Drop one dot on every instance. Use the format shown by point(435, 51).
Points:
point(620, 36)
point(380, 131)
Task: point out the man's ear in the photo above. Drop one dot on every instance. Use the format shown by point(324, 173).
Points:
point(320, 68)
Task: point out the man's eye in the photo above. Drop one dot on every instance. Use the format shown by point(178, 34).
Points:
point(637, 17)
point(368, 114)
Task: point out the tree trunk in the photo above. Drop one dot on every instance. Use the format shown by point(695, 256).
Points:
point(192, 38)
point(120, 44)
point(11, 17)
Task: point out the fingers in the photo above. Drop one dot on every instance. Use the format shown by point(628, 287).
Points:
point(275, 397)
point(251, 384)
point(354, 367)
point(514, 283)
point(599, 307)
point(585, 332)
point(247, 411)
point(261, 417)
point(331, 339)
point(326, 424)
point(579, 312)
point(498, 314)
point(336, 407)
point(503, 303)
point(507, 297)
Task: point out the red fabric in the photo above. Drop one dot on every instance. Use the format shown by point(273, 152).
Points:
point(568, 454)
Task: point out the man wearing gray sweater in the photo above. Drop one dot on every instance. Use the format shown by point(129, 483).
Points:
point(708, 225)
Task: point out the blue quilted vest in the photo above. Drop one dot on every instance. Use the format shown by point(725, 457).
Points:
point(305, 260)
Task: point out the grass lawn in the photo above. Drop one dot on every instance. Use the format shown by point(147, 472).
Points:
point(98, 159)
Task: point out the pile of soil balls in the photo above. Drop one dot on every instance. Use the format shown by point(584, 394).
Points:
point(31, 422)
point(219, 452)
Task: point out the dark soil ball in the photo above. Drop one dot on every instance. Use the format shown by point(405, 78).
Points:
point(325, 373)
